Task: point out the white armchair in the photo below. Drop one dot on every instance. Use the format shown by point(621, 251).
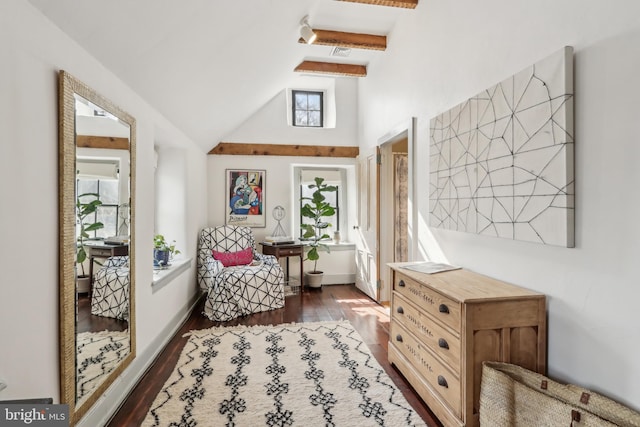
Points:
point(238, 279)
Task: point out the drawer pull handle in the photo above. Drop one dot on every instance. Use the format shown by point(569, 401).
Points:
point(401, 283)
point(442, 382)
point(443, 343)
point(400, 310)
point(399, 338)
point(443, 308)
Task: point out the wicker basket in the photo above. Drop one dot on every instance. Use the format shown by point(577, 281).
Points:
point(514, 396)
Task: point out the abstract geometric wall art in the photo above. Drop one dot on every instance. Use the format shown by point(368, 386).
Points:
point(501, 163)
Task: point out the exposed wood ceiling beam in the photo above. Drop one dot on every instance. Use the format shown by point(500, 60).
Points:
point(350, 40)
point(239, 149)
point(408, 4)
point(92, 141)
point(351, 70)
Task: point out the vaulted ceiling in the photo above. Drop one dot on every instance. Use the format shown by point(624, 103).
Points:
point(208, 65)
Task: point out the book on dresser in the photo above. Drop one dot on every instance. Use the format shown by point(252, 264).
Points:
point(444, 325)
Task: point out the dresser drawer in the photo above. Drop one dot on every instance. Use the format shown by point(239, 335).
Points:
point(442, 342)
point(437, 305)
point(436, 374)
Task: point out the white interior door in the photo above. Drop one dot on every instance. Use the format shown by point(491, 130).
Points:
point(367, 233)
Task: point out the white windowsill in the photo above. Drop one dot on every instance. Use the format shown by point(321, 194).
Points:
point(342, 246)
point(162, 277)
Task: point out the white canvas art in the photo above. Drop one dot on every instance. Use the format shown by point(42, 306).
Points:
point(501, 163)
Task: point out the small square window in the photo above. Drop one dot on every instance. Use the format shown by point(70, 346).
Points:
point(307, 108)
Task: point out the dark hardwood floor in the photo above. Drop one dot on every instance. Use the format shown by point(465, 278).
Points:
point(335, 302)
point(86, 322)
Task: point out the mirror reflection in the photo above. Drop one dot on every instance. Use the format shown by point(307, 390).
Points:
point(102, 230)
point(97, 311)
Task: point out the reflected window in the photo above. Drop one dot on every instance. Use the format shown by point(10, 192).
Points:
point(100, 180)
point(307, 108)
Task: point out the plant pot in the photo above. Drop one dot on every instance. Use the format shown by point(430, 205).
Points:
point(314, 278)
point(160, 258)
point(83, 284)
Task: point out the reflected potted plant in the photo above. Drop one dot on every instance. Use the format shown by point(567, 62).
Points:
point(163, 251)
point(84, 210)
point(317, 209)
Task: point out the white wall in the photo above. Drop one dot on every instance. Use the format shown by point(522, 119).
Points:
point(32, 51)
point(443, 53)
point(268, 125)
point(279, 191)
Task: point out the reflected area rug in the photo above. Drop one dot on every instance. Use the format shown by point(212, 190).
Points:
point(98, 353)
point(303, 374)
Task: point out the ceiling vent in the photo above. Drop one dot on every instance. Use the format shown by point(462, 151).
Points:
point(340, 51)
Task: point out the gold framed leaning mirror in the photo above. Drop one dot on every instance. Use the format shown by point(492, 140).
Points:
point(97, 262)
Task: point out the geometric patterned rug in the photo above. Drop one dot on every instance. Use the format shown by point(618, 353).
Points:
point(302, 374)
point(98, 353)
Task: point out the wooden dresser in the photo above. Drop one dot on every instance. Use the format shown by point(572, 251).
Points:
point(444, 325)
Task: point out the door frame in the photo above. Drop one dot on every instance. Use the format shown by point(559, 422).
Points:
point(406, 129)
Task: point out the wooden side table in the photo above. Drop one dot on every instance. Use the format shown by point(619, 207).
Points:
point(286, 250)
point(103, 250)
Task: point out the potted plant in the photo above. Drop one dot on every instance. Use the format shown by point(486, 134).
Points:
point(163, 251)
point(83, 210)
point(316, 208)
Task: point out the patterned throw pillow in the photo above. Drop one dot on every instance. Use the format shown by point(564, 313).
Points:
point(229, 259)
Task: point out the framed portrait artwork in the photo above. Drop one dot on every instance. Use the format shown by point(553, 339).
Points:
point(245, 193)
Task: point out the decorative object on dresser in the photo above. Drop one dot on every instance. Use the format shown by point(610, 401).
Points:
point(444, 325)
point(514, 396)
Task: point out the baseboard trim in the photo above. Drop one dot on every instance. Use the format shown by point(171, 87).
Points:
point(109, 403)
point(338, 279)
point(334, 279)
